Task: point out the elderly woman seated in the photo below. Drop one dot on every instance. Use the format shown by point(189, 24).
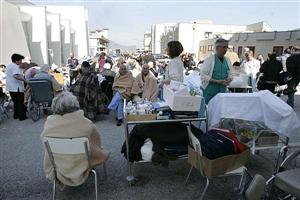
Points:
point(122, 90)
point(68, 121)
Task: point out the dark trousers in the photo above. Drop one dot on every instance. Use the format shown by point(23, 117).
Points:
point(19, 107)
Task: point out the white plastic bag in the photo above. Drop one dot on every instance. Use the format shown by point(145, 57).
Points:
point(146, 150)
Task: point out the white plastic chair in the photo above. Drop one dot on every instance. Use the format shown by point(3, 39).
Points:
point(197, 146)
point(69, 146)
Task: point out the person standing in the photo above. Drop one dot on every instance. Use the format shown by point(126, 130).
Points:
point(72, 64)
point(15, 86)
point(251, 67)
point(216, 71)
point(174, 71)
point(293, 67)
point(101, 61)
point(270, 69)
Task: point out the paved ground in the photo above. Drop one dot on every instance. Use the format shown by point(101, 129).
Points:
point(22, 176)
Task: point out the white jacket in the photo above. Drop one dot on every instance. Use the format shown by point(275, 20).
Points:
point(207, 69)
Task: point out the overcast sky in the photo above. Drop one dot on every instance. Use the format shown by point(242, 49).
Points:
point(127, 20)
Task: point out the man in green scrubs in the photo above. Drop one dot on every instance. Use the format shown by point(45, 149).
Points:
point(215, 72)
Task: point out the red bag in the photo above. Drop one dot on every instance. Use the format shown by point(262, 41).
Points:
point(238, 146)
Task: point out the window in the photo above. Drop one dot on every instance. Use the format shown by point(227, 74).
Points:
point(210, 48)
point(278, 50)
point(207, 34)
point(252, 48)
point(204, 49)
point(240, 50)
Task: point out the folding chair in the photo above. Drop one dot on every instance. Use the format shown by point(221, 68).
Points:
point(197, 146)
point(286, 179)
point(70, 146)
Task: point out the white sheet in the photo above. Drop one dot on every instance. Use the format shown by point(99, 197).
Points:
point(259, 106)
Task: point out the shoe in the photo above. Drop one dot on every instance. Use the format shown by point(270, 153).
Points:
point(119, 122)
point(22, 119)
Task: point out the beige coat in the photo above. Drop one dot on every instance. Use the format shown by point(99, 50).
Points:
point(123, 84)
point(148, 87)
point(72, 170)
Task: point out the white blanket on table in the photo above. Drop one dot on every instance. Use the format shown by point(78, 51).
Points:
point(259, 106)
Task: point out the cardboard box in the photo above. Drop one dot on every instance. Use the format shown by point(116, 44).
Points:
point(181, 102)
point(220, 165)
point(147, 117)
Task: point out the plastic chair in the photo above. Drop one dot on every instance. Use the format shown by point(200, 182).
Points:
point(70, 146)
point(197, 146)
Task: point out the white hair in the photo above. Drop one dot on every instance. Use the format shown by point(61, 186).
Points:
point(65, 103)
point(45, 68)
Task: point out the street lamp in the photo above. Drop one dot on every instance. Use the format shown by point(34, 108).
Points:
point(194, 27)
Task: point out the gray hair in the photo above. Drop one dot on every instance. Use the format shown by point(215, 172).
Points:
point(65, 103)
point(220, 41)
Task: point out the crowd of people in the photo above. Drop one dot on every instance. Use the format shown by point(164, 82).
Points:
point(131, 79)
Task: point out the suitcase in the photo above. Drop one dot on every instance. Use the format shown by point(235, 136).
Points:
point(215, 145)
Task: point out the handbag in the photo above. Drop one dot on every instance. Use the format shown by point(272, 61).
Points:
point(284, 78)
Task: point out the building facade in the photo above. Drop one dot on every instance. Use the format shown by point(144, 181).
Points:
point(98, 41)
point(259, 42)
point(46, 34)
point(147, 41)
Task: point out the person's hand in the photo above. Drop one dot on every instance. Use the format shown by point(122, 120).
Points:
point(228, 80)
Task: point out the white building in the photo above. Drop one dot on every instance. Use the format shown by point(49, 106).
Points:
point(157, 31)
point(190, 34)
point(259, 42)
point(47, 34)
point(147, 41)
point(98, 41)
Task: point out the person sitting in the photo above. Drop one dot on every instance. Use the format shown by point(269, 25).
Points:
point(68, 121)
point(270, 69)
point(122, 90)
point(145, 85)
point(44, 74)
point(86, 89)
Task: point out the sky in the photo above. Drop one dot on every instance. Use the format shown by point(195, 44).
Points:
point(127, 20)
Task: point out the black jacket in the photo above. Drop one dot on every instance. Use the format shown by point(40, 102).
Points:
point(271, 70)
point(293, 65)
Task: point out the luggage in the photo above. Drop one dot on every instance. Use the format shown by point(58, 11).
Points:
point(215, 145)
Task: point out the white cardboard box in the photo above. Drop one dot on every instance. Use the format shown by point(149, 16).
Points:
point(181, 102)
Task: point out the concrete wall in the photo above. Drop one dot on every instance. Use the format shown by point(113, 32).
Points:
point(38, 45)
point(78, 17)
point(191, 34)
point(54, 41)
point(12, 37)
point(157, 31)
point(265, 41)
point(65, 39)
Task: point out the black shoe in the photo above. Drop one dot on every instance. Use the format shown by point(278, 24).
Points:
point(16, 117)
point(23, 118)
point(119, 122)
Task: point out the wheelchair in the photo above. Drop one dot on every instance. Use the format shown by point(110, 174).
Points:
point(40, 98)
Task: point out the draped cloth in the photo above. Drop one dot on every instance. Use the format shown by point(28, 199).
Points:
point(86, 89)
point(147, 87)
point(72, 170)
point(123, 84)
